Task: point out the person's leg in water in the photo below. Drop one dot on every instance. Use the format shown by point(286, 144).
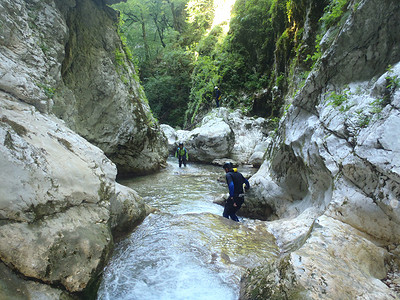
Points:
point(180, 161)
point(239, 202)
point(184, 160)
point(230, 210)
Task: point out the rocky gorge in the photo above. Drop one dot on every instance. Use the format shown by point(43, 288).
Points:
point(330, 182)
point(73, 116)
point(69, 104)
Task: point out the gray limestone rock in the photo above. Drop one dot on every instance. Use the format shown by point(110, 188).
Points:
point(332, 175)
point(65, 57)
point(59, 202)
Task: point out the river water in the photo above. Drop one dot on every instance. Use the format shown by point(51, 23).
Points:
point(185, 250)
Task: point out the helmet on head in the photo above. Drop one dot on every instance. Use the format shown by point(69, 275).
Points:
point(216, 88)
point(228, 165)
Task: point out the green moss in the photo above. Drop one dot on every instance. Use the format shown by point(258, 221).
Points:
point(48, 90)
point(120, 59)
point(274, 281)
point(334, 12)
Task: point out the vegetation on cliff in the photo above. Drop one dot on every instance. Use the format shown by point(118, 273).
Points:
point(182, 52)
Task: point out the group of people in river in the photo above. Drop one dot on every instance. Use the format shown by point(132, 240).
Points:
point(237, 184)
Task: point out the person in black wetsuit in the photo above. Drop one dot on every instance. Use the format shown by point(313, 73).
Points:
point(235, 181)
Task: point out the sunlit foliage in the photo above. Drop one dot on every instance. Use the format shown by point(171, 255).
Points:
point(181, 57)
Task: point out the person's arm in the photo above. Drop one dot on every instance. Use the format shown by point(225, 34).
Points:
point(231, 185)
point(246, 183)
point(187, 155)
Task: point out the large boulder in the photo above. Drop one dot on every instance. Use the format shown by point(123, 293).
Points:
point(251, 136)
point(127, 209)
point(56, 190)
point(172, 137)
point(66, 57)
point(213, 139)
point(223, 134)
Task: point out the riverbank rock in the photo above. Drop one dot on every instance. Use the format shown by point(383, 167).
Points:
point(66, 58)
point(172, 138)
point(127, 210)
point(336, 262)
point(308, 273)
point(56, 190)
point(13, 287)
point(333, 175)
point(226, 135)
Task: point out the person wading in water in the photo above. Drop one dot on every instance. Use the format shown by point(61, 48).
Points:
point(182, 155)
point(235, 181)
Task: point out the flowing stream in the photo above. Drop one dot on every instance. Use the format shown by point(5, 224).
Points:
point(185, 250)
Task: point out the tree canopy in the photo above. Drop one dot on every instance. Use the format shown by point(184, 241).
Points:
point(181, 55)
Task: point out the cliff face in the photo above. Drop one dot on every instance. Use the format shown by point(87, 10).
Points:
point(65, 80)
point(332, 176)
point(66, 58)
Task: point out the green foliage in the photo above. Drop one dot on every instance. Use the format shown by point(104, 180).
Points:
point(200, 15)
point(334, 12)
point(48, 91)
point(167, 86)
point(363, 119)
point(181, 58)
point(378, 105)
point(317, 54)
point(158, 33)
point(274, 121)
point(208, 45)
point(251, 35)
point(204, 78)
point(393, 81)
point(336, 99)
point(119, 57)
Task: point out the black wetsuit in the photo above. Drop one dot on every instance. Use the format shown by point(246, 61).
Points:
point(235, 182)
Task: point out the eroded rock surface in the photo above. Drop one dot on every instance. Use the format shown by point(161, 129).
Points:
point(332, 176)
point(58, 197)
point(65, 57)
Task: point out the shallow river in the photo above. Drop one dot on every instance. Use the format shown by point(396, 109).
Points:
point(186, 250)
